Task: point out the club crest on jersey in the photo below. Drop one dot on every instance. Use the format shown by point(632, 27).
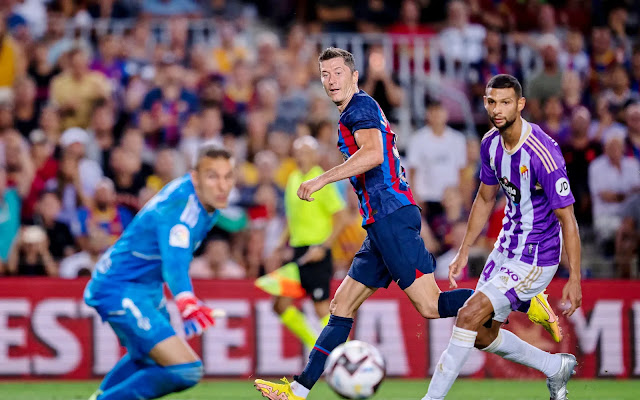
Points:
point(510, 189)
point(524, 172)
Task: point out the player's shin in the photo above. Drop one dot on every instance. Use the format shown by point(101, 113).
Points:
point(121, 371)
point(155, 381)
point(512, 348)
point(336, 332)
point(450, 363)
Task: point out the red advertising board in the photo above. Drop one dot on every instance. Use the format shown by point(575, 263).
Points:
point(46, 331)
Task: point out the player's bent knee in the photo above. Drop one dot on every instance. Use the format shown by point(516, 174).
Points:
point(469, 317)
point(485, 338)
point(184, 376)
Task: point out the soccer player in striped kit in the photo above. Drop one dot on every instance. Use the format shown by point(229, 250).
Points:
point(519, 157)
point(393, 249)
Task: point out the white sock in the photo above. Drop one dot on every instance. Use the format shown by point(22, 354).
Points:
point(299, 390)
point(451, 361)
point(512, 348)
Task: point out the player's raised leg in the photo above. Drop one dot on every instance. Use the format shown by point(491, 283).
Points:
point(348, 298)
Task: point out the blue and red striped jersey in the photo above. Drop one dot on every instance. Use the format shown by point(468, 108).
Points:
point(382, 189)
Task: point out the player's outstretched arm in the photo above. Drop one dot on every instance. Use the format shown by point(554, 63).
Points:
point(572, 290)
point(480, 211)
point(368, 156)
point(176, 251)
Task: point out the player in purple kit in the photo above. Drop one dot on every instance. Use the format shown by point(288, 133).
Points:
point(528, 165)
point(393, 248)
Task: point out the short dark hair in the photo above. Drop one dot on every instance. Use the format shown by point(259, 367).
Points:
point(334, 52)
point(212, 150)
point(505, 81)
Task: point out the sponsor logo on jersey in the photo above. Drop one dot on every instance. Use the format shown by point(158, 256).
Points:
point(511, 190)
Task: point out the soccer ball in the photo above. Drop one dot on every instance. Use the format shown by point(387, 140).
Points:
point(355, 370)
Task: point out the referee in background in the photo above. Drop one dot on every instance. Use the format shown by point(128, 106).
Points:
point(312, 228)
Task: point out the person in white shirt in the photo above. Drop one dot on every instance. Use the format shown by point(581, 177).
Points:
point(612, 178)
point(436, 155)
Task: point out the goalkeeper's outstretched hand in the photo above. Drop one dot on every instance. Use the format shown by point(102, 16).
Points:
point(196, 317)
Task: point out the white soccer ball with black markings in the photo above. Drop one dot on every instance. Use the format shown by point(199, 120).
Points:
point(355, 370)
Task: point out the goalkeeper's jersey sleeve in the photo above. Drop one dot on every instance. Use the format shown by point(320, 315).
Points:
point(158, 244)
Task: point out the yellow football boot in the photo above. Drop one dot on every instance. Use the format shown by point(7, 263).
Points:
point(541, 313)
point(276, 391)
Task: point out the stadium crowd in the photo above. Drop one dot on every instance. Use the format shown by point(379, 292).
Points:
point(94, 122)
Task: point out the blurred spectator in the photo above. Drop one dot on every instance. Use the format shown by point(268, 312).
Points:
point(117, 9)
point(81, 264)
point(575, 58)
point(6, 108)
point(30, 254)
point(228, 51)
point(603, 57)
point(292, 103)
point(632, 117)
point(619, 95)
point(77, 90)
point(66, 185)
point(453, 240)
point(12, 60)
point(548, 23)
point(101, 135)
point(494, 61)
point(628, 239)
point(46, 167)
point(452, 212)
point(19, 166)
point(216, 262)
point(605, 121)
point(164, 169)
point(239, 90)
point(554, 124)
point(128, 176)
point(42, 71)
point(9, 216)
point(435, 156)
point(108, 62)
point(104, 214)
point(572, 92)
point(612, 178)
point(61, 241)
point(267, 56)
point(167, 109)
point(579, 151)
point(50, 123)
point(617, 21)
point(461, 40)
point(26, 111)
point(408, 27)
point(379, 83)
point(74, 142)
point(548, 82)
point(170, 8)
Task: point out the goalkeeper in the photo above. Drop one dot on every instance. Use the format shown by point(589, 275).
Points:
point(127, 285)
point(312, 228)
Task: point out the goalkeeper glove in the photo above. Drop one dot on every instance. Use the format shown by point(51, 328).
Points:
point(195, 315)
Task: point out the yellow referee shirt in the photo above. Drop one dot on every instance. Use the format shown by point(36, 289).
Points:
point(310, 223)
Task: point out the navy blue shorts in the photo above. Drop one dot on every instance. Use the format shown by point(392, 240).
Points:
point(393, 250)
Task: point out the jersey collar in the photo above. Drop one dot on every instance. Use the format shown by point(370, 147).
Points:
point(524, 134)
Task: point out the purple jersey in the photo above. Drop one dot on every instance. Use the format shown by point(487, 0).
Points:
point(382, 189)
point(534, 178)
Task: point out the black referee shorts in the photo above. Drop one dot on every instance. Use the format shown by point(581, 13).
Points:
point(315, 277)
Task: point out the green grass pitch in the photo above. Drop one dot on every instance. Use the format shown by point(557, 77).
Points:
point(391, 389)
